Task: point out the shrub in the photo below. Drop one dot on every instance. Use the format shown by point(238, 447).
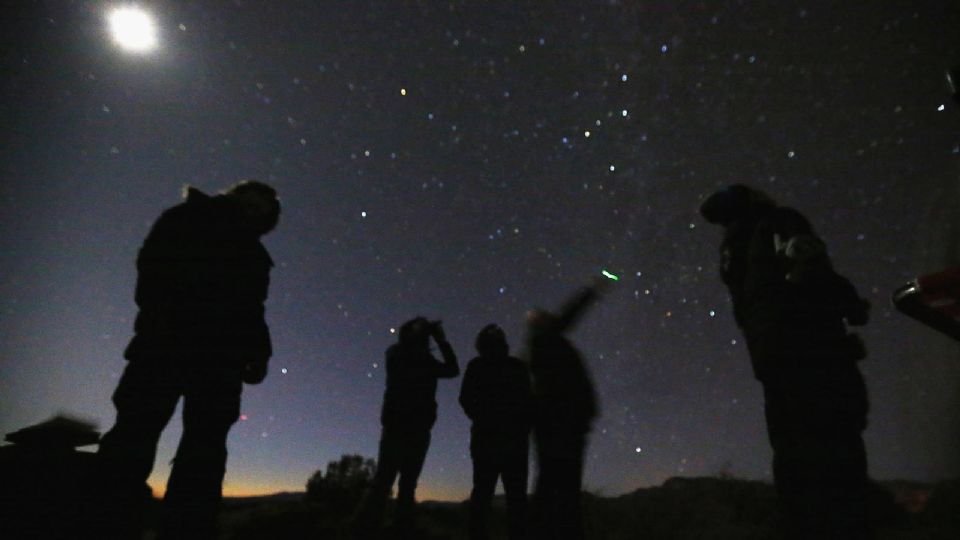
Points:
point(344, 483)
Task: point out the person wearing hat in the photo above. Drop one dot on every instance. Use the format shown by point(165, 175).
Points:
point(794, 311)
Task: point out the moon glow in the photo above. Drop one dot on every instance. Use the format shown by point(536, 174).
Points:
point(133, 29)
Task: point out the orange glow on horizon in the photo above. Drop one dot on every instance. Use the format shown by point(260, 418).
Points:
point(424, 493)
point(230, 490)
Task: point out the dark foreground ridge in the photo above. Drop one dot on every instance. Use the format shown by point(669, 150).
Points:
point(41, 496)
point(680, 509)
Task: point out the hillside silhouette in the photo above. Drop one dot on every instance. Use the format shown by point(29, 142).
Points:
point(680, 509)
point(43, 475)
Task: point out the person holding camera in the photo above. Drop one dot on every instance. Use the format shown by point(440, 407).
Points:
point(408, 414)
point(202, 279)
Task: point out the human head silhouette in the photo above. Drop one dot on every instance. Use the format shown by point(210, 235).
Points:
point(415, 332)
point(258, 203)
point(733, 203)
point(492, 341)
point(540, 322)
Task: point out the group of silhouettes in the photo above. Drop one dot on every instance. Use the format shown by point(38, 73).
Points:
point(200, 334)
point(504, 408)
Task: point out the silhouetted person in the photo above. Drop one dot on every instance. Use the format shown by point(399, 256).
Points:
point(202, 280)
point(409, 412)
point(794, 309)
point(564, 408)
point(496, 396)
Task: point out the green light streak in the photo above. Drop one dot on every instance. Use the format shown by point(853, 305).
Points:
point(608, 275)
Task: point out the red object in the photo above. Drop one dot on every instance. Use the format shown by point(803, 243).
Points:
point(934, 300)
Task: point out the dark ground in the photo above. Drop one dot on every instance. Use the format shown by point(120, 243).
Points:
point(682, 508)
point(44, 496)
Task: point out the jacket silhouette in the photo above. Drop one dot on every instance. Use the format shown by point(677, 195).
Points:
point(202, 279)
point(412, 372)
point(565, 405)
point(565, 400)
point(794, 310)
point(496, 396)
point(201, 283)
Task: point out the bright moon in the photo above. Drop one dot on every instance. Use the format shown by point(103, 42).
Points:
point(133, 29)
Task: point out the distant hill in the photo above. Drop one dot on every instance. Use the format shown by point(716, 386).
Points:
point(282, 497)
point(680, 509)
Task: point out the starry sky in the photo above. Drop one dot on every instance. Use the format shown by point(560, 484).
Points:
point(468, 161)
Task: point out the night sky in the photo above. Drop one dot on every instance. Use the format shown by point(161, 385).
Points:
point(468, 161)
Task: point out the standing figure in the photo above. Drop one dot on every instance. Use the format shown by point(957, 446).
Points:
point(793, 309)
point(496, 397)
point(409, 412)
point(565, 405)
point(200, 334)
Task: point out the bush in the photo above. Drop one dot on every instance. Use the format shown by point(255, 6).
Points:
point(344, 483)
